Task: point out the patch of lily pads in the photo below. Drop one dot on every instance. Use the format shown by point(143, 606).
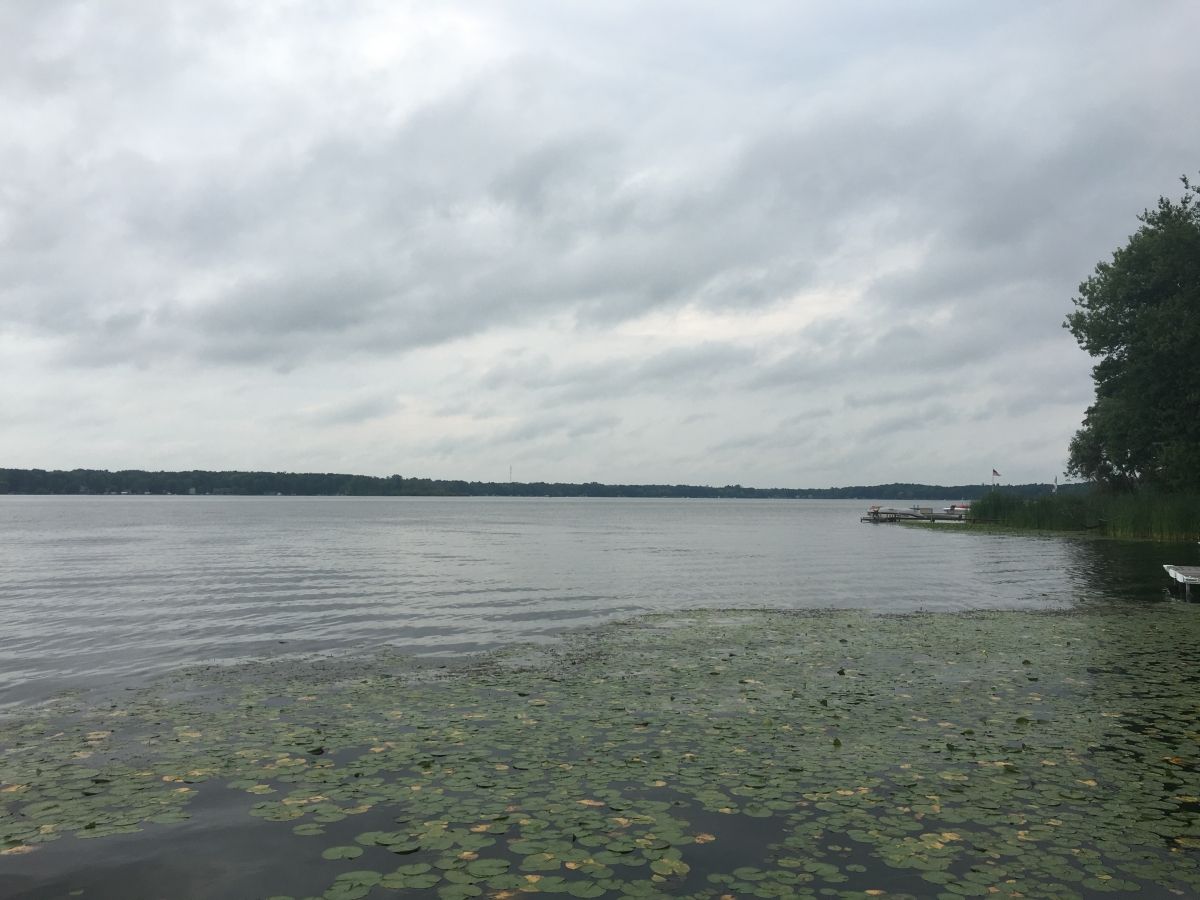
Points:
point(705, 754)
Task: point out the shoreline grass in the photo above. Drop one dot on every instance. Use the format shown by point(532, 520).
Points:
point(1145, 515)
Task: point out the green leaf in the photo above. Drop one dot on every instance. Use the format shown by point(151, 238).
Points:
point(345, 852)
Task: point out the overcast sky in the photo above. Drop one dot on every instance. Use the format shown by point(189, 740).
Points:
point(773, 243)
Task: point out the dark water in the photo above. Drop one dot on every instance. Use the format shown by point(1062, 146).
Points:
point(98, 589)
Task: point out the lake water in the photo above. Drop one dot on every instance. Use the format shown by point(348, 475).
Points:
point(98, 590)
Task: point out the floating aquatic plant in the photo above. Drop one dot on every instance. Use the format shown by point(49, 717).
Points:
point(752, 754)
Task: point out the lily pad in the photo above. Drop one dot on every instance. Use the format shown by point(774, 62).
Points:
point(346, 852)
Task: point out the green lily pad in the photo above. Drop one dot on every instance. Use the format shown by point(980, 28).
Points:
point(346, 852)
point(959, 771)
point(459, 891)
point(486, 868)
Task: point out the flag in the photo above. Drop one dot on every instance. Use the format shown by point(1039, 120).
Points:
point(995, 474)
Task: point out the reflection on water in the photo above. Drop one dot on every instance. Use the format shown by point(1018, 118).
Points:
point(96, 588)
point(1124, 570)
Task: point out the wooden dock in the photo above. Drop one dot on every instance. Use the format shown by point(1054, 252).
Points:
point(1185, 575)
point(880, 514)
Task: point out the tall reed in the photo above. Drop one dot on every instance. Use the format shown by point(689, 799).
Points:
point(1145, 514)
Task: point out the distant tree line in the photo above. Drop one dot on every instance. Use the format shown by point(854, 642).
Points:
point(136, 481)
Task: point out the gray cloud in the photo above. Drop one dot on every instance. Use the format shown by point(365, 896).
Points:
point(534, 431)
point(355, 411)
point(485, 203)
point(678, 370)
point(893, 397)
point(919, 418)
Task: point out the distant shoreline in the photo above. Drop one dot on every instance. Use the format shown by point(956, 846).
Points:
point(242, 483)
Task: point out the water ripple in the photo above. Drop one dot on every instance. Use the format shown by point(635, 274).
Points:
point(95, 589)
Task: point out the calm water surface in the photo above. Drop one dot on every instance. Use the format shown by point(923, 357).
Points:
point(94, 590)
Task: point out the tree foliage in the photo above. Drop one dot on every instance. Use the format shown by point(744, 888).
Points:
point(312, 484)
point(1140, 315)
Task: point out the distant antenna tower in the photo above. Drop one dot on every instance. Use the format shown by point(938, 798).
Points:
point(510, 474)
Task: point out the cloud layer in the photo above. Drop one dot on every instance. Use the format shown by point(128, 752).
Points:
point(784, 245)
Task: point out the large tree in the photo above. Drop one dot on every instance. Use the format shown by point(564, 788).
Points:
point(1140, 315)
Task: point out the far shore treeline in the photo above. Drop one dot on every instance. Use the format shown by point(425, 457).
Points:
point(136, 481)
